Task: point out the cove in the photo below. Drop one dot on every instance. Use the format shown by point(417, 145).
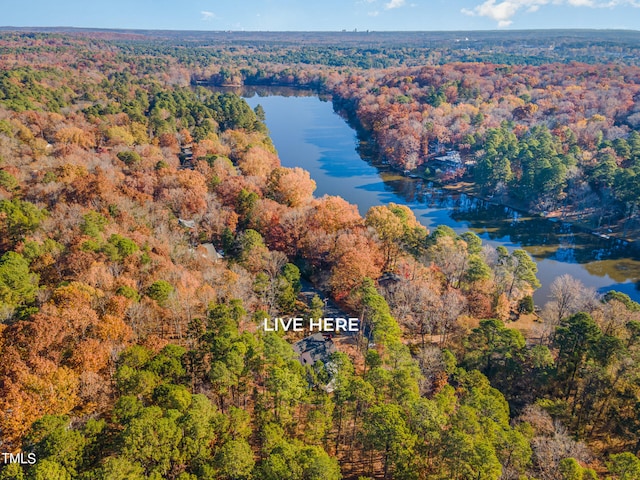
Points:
point(308, 133)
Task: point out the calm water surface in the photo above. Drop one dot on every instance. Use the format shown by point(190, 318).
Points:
point(309, 134)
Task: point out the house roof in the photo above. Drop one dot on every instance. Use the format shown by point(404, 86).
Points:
point(317, 346)
point(187, 223)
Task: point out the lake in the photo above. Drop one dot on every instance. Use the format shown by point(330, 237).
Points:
point(308, 133)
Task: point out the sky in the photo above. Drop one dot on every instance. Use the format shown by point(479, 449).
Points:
point(326, 15)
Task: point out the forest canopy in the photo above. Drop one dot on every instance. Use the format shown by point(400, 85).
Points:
point(147, 228)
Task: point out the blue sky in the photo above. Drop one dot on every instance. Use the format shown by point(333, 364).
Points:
point(324, 15)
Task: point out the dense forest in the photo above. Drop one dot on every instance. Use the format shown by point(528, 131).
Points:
point(147, 229)
point(547, 138)
point(561, 140)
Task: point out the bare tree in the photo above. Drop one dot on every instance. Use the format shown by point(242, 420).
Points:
point(569, 296)
point(416, 306)
point(432, 367)
point(453, 304)
point(552, 444)
point(613, 316)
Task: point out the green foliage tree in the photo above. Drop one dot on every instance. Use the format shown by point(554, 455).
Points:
point(575, 338)
point(386, 430)
point(8, 181)
point(626, 466)
point(235, 460)
point(49, 470)
point(12, 471)
point(128, 292)
point(245, 205)
point(18, 286)
point(93, 223)
point(292, 274)
point(118, 468)
point(152, 439)
point(385, 329)
point(477, 270)
point(494, 166)
point(494, 349)
point(570, 469)
point(160, 290)
point(316, 307)
point(129, 157)
point(516, 272)
point(19, 218)
point(251, 245)
point(122, 247)
point(291, 460)
point(51, 438)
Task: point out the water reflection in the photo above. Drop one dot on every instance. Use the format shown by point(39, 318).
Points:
point(542, 238)
point(308, 133)
point(248, 91)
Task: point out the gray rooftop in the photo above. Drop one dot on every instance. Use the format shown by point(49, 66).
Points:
point(317, 345)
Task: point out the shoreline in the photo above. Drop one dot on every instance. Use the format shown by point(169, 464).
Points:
point(344, 108)
point(467, 188)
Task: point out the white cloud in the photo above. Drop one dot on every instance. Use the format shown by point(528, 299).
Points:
point(618, 3)
point(395, 4)
point(206, 16)
point(375, 13)
point(503, 12)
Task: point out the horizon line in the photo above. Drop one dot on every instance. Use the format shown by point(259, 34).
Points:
point(355, 30)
